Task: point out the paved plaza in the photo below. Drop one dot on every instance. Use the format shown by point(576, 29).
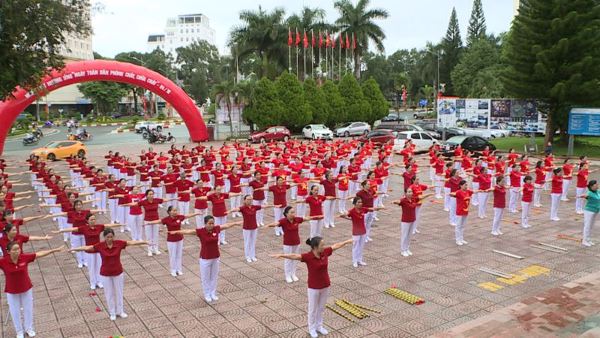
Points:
point(255, 301)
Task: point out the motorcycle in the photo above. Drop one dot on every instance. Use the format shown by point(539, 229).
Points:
point(80, 137)
point(30, 140)
point(160, 138)
point(38, 133)
point(48, 124)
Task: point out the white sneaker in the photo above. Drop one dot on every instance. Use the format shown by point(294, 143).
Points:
point(248, 259)
point(113, 317)
point(446, 210)
point(294, 278)
point(409, 252)
point(157, 252)
point(326, 227)
point(586, 243)
point(332, 225)
point(254, 259)
point(214, 297)
point(376, 218)
point(313, 334)
point(31, 333)
point(355, 264)
point(100, 285)
point(465, 242)
point(208, 299)
point(80, 266)
point(289, 279)
point(174, 273)
point(416, 231)
point(179, 273)
point(459, 243)
point(362, 263)
point(322, 330)
point(495, 233)
point(224, 243)
point(85, 264)
point(123, 315)
point(149, 253)
point(21, 335)
point(93, 287)
point(592, 243)
point(405, 254)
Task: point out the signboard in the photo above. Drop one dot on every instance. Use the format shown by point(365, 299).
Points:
point(584, 121)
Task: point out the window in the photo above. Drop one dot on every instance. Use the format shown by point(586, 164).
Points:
point(415, 136)
point(192, 30)
point(401, 136)
point(425, 136)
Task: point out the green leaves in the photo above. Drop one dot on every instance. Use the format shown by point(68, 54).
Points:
point(104, 95)
point(296, 110)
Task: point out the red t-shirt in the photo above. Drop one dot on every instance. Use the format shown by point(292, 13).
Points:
point(463, 199)
point(209, 242)
point(92, 235)
point(173, 224)
point(408, 210)
point(358, 221)
point(454, 183)
point(249, 215)
point(200, 192)
point(150, 208)
point(170, 178)
point(18, 238)
point(499, 197)
point(135, 198)
point(540, 176)
point(258, 195)
point(182, 187)
point(218, 204)
point(582, 176)
point(557, 184)
point(279, 194)
point(328, 187)
point(515, 179)
point(366, 197)
point(234, 183)
point(408, 176)
point(343, 182)
point(302, 186)
point(111, 257)
point(528, 192)
point(290, 230)
point(485, 181)
point(318, 276)
point(315, 204)
point(17, 275)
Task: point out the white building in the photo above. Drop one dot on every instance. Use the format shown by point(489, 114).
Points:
point(182, 31)
point(516, 4)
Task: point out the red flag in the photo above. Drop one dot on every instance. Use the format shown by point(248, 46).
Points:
point(312, 34)
point(290, 40)
point(297, 38)
point(353, 41)
point(347, 41)
point(305, 42)
point(333, 42)
point(328, 41)
point(341, 41)
point(320, 40)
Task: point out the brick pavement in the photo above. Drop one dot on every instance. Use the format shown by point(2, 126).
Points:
point(256, 302)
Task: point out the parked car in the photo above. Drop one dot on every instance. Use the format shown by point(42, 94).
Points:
point(379, 136)
point(421, 114)
point(393, 117)
point(276, 133)
point(396, 128)
point(486, 133)
point(421, 139)
point(60, 149)
point(475, 144)
point(317, 131)
point(142, 126)
point(352, 128)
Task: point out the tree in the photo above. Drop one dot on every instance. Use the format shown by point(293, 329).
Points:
point(32, 33)
point(477, 26)
point(379, 68)
point(451, 49)
point(375, 100)
point(199, 68)
point(310, 20)
point(553, 54)
point(316, 101)
point(335, 103)
point(225, 93)
point(262, 36)
point(290, 93)
point(479, 70)
point(266, 108)
point(360, 21)
point(136, 59)
point(104, 95)
point(356, 107)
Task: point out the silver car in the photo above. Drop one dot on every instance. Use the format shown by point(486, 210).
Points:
point(353, 128)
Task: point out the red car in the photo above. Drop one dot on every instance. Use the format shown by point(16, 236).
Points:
point(379, 136)
point(277, 133)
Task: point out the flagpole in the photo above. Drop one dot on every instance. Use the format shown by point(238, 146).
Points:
point(297, 55)
point(333, 59)
point(340, 58)
point(326, 52)
point(312, 53)
point(289, 50)
point(304, 56)
point(346, 56)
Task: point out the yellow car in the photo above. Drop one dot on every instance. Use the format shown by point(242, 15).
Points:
point(60, 149)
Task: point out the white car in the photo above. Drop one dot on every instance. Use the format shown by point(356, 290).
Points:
point(421, 139)
point(317, 131)
point(353, 128)
point(142, 126)
point(486, 133)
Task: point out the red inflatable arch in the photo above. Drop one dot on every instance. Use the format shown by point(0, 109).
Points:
point(104, 70)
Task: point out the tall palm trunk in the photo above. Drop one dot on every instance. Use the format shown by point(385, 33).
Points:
point(357, 64)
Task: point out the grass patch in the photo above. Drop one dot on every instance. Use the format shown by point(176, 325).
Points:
point(584, 145)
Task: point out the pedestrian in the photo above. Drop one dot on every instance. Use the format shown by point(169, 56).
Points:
point(315, 206)
point(567, 176)
point(409, 205)
point(367, 197)
point(209, 253)
point(527, 198)
point(219, 208)
point(318, 279)
point(590, 213)
point(359, 231)
point(582, 183)
point(540, 181)
point(111, 270)
point(249, 226)
point(18, 286)
point(463, 200)
point(556, 193)
point(499, 205)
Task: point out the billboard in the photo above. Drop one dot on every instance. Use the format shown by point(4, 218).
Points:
point(584, 121)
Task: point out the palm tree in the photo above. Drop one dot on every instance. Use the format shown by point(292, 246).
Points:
point(226, 92)
point(310, 20)
point(360, 21)
point(261, 35)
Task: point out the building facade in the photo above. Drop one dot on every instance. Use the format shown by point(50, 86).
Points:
point(516, 4)
point(182, 31)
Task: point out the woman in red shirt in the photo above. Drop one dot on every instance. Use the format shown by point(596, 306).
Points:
point(11, 234)
point(359, 230)
point(77, 217)
point(418, 189)
point(111, 270)
point(184, 188)
point(290, 224)
point(515, 188)
point(233, 186)
point(567, 176)
point(549, 168)
point(200, 203)
point(91, 232)
point(219, 208)
point(485, 185)
point(258, 195)
point(150, 206)
point(301, 182)
point(343, 179)
point(18, 287)
point(409, 205)
point(540, 180)
point(315, 206)
point(499, 204)
point(330, 192)
point(556, 193)
point(279, 191)
point(453, 185)
point(527, 191)
point(249, 227)
point(582, 185)
point(463, 201)
point(209, 254)
point(318, 279)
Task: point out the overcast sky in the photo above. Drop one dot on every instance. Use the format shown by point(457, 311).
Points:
point(126, 24)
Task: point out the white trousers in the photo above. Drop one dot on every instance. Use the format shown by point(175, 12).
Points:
point(175, 255)
point(565, 188)
point(328, 212)
point(76, 242)
point(548, 178)
point(250, 243)
point(112, 208)
point(172, 202)
point(122, 213)
point(16, 302)
point(497, 219)
point(260, 214)
point(151, 236)
point(62, 224)
point(200, 218)
point(277, 215)
point(290, 265)
point(432, 174)
point(439, 184)
point(459, 229)
point(369, 219)
point(555, 198)
point(475, 187)
point(136, 222)
point(94, 262)
point(483, 198)
point(512, 200)
point(342, 195)
point(316, 227)
point(417, 219)
point(209, 274)
point(525, 206)
point(220, 221)
point(183, 207)
point(301, 208)
point(447, 198)
point(358, 245)
point(579, 202)
point(235, 202)
point(113, 291)
point(406, 230)
point(589, 218)
point(158, 192)
point(537, 195)
point(452, 213)
point(317, 298)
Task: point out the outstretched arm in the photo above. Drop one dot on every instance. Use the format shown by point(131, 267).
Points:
point(295, 257)
point(341, 244)
point(136, 243)
point(45, 253)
